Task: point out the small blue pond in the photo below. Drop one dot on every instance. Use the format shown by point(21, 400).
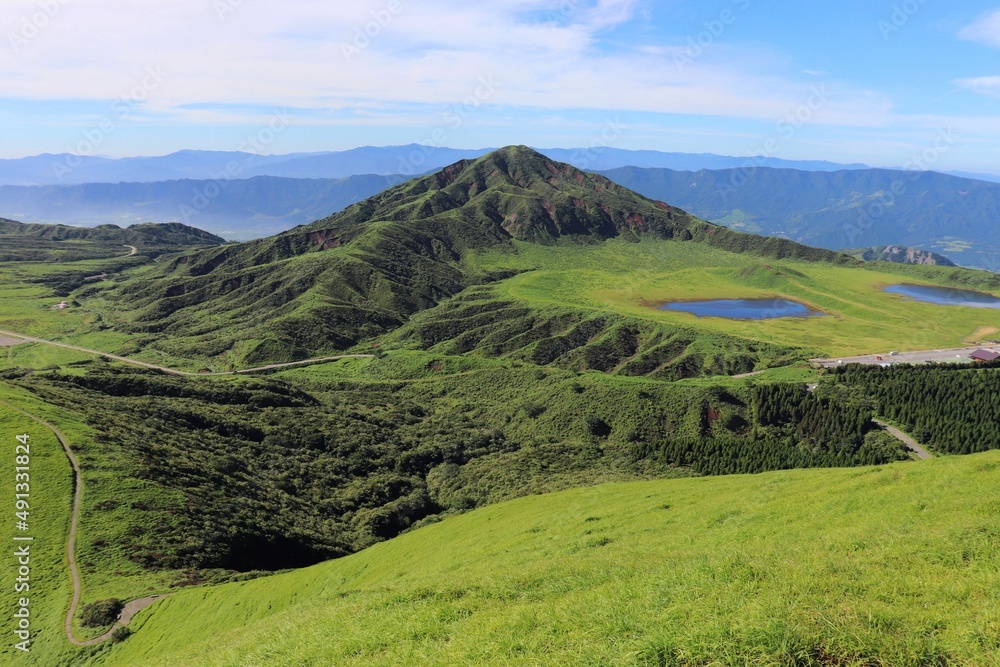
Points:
point(946, 296)
point(742, 309)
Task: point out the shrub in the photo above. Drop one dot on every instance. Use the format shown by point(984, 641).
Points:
point(120, 634)
point(103, 613)
point(598, 427)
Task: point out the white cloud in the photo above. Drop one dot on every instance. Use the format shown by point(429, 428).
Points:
point(987, 85)
point(985, 30)
point(551, 57)
point(432, 53)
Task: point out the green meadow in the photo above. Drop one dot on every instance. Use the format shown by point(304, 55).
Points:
point(613, 276)
point(859, 317)
point(896, 565)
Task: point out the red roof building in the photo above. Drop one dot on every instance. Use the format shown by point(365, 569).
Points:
point(984, 355)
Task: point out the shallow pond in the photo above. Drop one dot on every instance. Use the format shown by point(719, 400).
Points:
point(742, 309)
point(946, 296)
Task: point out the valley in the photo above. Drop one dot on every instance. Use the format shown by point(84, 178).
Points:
point(468, 343)
point(548, 333)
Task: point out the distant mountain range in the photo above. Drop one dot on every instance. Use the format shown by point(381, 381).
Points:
point(956, 217)
point(411, 160)
point(818, 203)
point(899, 255)
point(238, 209)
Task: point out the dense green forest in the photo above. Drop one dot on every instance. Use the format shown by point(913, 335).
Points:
point(791, 427)
point(951, 408)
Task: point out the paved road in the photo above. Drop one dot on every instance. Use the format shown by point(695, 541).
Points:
point(947, 355)
point(174, 371)
point(905, 439)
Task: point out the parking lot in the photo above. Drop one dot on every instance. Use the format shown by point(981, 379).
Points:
point(947, 356)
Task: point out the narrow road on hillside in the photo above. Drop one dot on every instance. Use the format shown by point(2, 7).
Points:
point(746, 375)
point(133, 607)
point(133, 249)
point(905, 439)
point(174, 371)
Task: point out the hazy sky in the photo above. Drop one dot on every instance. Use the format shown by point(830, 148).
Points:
point(881, 82)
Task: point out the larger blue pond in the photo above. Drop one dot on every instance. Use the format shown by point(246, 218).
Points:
point(946, 296)
point(742, 309)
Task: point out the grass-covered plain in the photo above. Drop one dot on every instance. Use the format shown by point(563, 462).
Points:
point(612, 277)
point(896, 565)
point(632, 278)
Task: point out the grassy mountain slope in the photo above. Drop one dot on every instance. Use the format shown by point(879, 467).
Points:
point(173, 234)
point(896, 565)
point(362, 272)
point(21, 242)
point(842, 209)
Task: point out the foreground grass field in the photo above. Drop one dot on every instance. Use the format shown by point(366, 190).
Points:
point(896, 565)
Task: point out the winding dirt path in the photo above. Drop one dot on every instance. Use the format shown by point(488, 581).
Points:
point(135, 606)
point(131, 608)
point(133, 249)
point(922, 453)
point(174, 371)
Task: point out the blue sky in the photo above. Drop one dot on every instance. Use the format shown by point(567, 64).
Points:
point(881, 82)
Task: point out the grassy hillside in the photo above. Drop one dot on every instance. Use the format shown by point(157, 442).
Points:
point(510, 308)
point(363, 272)
point(48, 520)
point(241, 474)
point(172, 233)
point(61, 243)
point(896, 565)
